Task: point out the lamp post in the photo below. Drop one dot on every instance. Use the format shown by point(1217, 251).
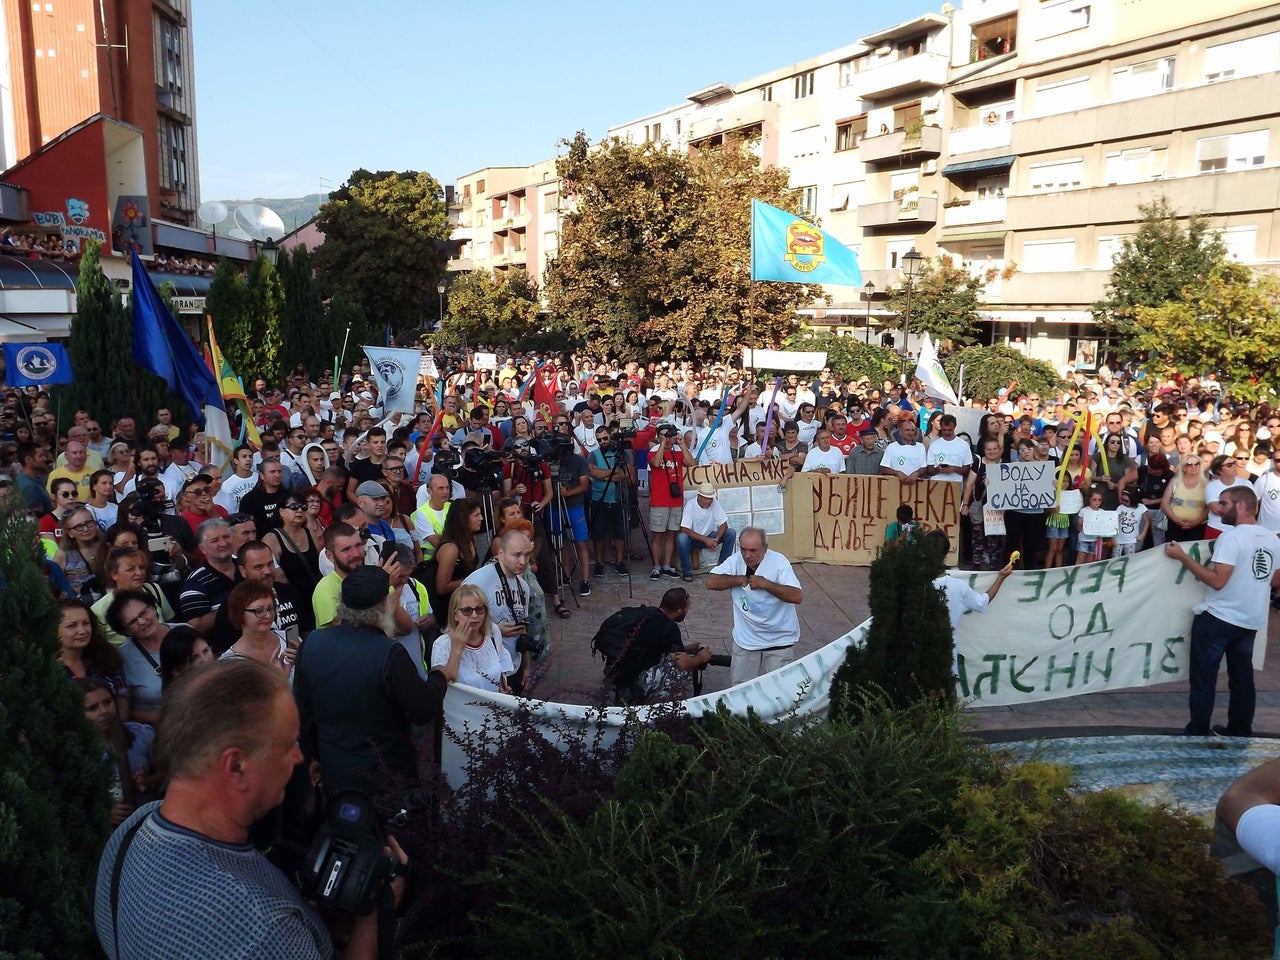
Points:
point(270, 251)
point(868, 292)
point(440, 293)
point(910, 267)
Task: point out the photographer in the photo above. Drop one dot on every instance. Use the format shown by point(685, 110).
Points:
point(610, 467)
point(655, 654)
point(170, 541)
point(511, 602)
point(572, 478)
point(227, 768)
point(527, 477)
point(667, 461)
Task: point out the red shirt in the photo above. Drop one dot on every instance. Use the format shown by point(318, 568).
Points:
point(663, 471)
point(844, 445)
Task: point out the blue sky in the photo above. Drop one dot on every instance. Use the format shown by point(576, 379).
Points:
point(293, 93)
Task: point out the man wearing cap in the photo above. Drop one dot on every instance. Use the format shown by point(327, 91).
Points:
point(668, 459)
point(864, 459)
point(359, 693)
point(374, 502)
point(704, 523)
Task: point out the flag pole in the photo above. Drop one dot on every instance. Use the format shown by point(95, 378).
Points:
point(343, 358)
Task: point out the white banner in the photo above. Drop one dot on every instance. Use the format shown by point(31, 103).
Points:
point(427, 366)
point(929, 372)
point(811, 361)
point(396, 373)
point(1084, 629)
point(484, 361)
point(1023, 485)
point(968, 420)
point(1099, 523)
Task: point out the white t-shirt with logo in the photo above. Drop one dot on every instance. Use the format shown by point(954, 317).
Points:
point(718, 448)
point(1211, 494)
point(1267, 487)
point(1254, 554)
point(952, 453)
point(761, 620)
point(831, 458)
point(706, 522)
point(903, 457)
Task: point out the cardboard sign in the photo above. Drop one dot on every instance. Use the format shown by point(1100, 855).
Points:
point(1099, 523)
point(485, 361)
point(992, 521)
point(1025, 485)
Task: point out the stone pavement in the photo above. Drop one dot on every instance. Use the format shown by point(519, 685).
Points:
point(835, 601)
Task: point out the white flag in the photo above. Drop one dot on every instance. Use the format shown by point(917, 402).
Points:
point(396, 373)
point(929, 372)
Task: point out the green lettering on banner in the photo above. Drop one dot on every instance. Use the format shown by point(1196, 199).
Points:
point(994, 659)
point(1093, 575)
point(1146, 659)
point(1056, 624)
point(1195, 554)
point(1098, 626)
point(1036, 581)
point(962, 676)
point(1069, 671)
point(1171, 655)
point(1067, 582)
point(1118, 568)
point(1105, 671)
point(1015, 675)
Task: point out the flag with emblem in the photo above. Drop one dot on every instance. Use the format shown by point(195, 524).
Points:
point(787, 248)
point(929, 372)
point(231, 387)
point(544, 392)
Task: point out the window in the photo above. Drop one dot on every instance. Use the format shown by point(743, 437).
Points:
point(806, 142)
point(1108, 249)
point(549, 202)
point(1241, 243)
point(1242, 58)
point(904, 115)
point(171, 43)
point(766, 93)
point(1136, 166)
point(991, 188)
point(912, 47)
point(903, 182)
point(993, 38)
point(1061, 97)
point(804, 85)
point(1048, 256)
point(1239, 151)
point(500, 208)
point(850, 133)
point(852, 67)
point(479, 186)
point(652, 132)
point(1142, 79)
point(550, 242)
point(894, 249)
point(809, 200)
point(846, 196)
point(173, 151)
point(1063, 18)
point(1056, 175)
point(677, 126)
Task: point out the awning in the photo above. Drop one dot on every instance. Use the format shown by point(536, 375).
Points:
point(978, 166)
point(15, 331)
point(981, 235)
point(22, 273)
point(184, 284)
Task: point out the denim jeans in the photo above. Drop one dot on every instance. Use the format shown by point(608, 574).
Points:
point(1211, 638)
point(684, 547)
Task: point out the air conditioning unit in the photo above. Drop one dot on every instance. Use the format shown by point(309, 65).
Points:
point(929, 166)
point(931, 104)
point(884, 51)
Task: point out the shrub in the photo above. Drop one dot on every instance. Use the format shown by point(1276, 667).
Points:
point(988, 370)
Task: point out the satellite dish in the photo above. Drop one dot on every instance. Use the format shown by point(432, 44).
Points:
point(259, 222)
point(235, 233)
point(212, 211)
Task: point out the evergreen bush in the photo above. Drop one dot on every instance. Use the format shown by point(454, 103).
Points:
point(54, 786)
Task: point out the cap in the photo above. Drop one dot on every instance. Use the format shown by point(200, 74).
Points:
point(1212, 436)
point(707, 490)
point(365, 587)
point(371, 488)
point(866, 430)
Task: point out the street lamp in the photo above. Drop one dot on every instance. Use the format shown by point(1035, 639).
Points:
point(270, 251)
point(910, 267)
point(440, 293)
point(868, 292)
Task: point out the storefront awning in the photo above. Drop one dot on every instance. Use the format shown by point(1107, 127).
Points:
point(978, 166)
point(980, 235)
point(21, 273)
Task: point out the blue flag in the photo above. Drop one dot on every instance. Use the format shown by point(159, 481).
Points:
point(163, 347)
point(788, 248)
point(35, 364)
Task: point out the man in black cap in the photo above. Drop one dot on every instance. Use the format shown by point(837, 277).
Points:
point(359, 693)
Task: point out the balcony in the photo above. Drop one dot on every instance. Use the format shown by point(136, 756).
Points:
point(897, 77)
point(975, 211)
point(518, 221)
point(1067, 286)
point(912, 208)
point(986, 136)
point(734, 116)
point(894, 146)
point(460, 265)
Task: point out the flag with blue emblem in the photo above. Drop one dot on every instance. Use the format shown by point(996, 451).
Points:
point(787, 248)
point(35, 364)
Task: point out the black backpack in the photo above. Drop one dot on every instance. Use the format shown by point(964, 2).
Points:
point(617, 632)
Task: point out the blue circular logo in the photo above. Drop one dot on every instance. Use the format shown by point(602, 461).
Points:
point(37, 363)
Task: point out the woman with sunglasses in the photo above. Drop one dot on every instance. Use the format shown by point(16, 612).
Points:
point(295, 548)
point(63, 493)
point(80, 552)
point(1224, 473)
point(485, 663)
point(134, 614)
point(251, 607)
point(1186, 502)
point(1113, 473)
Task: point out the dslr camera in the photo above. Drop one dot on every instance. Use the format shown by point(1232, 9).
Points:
point(624, 428)
point(528, 643)
point(346, 866)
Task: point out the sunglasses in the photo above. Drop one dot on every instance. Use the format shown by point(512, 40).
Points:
point(473, 611)
point(293, 506)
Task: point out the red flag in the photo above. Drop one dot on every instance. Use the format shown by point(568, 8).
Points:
point(544, 393)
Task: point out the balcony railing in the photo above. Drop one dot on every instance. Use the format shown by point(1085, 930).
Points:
point(986, 136)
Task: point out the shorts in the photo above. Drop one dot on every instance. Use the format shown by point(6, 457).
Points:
point(1057, 533)
point(665, 519)
point(577, 522)
point(607, 522)
point(1087, 544)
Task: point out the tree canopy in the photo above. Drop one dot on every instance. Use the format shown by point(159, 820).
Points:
point(247, 318)
point(988, 370)
point(655, 252)
point(945, 299)
point(1158, 265)
point(384, 245)
point(490, 308)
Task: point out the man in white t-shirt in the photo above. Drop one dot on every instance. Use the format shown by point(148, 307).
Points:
point(765, 594)
point(240, 481)
point(950, 458)
point(823, 457)
point(705, 524)
point(1267, 487)
point(1246, 567)
point(906, 458)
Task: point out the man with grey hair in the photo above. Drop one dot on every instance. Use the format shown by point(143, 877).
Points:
point(229, 744)
point(207, 586)
point(765, 594)
point(359, 693)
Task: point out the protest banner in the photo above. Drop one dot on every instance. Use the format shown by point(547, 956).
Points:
point(1099, 523)
point(1094, 627)
point(968, 420)
point(1024, 485)
point(485, 361)
point(810, 361)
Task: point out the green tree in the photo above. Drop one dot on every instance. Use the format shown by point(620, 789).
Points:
point(227, 302)
point(265, 301)
point(384, 245)
point(100, 348)
point(988, 370)
point(1230, 324)
point(945, 300)
point(305, 331)
point(1157, 265)
point(54, 785)
point(491, 309)
point(655, 254)
point(848, 356)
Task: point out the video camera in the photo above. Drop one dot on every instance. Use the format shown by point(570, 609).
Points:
point(445, 462)
point(346, 866)
point(624, 428)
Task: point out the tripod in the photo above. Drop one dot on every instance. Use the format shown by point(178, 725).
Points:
point(627, 507)
point(556, 524)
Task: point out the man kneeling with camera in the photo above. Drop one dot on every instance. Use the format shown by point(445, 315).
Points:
point(180, 877)
point(645, 655)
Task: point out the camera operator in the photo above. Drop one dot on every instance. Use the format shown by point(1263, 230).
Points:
point(359, 692)
point(668, 458)
point(646, 667)
point(170, 541)
point(228, 739)
point(609, 466)
point(526, 476)
point(572, 478)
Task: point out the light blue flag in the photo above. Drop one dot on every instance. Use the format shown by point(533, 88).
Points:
point(788, 248)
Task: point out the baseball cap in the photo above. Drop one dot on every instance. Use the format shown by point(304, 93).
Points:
point(371, 488)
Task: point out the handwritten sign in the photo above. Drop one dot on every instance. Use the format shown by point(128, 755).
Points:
point(851, 513)
point(992, 521)
point(485, 361)
point(1099, 523)
point(1025, 485)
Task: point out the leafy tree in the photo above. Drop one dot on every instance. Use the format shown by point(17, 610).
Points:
point(1155, 266)
point(305, 332)
point(1230, 324)
point(100, 347)
point(492, 309)
point(384, 245)
point(266, 305)
point(654, 255)
point(988, 370)
point(848, 356)
point(945, 300)
point(227, 302)
point(54, 786)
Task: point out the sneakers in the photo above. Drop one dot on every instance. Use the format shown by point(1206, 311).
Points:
point(655, 573)
point(585, 589)
point(671, 572)
point(621, 568)
point(598, 571)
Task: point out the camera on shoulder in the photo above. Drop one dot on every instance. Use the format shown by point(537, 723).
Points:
point(346, 867)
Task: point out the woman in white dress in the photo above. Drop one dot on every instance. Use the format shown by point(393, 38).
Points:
point(485, 662)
